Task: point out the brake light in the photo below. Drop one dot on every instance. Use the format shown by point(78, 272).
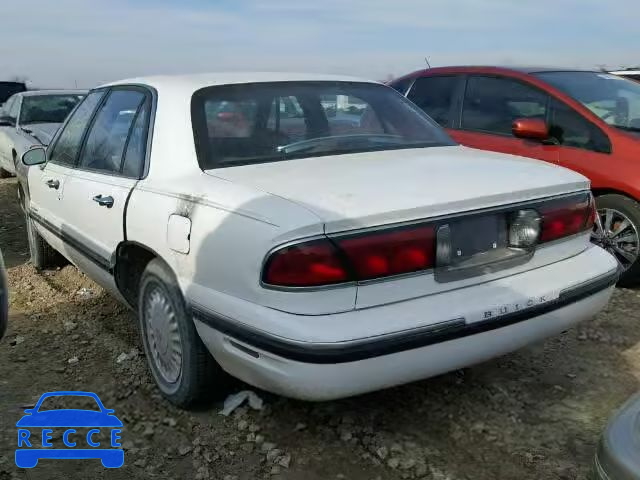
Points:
point(562, 218)
point(396, 252)
point(361, 257)
point(306, 264)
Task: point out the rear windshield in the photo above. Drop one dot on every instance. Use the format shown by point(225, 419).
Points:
point(47, 108)
point(10, 88)
point(264, 122)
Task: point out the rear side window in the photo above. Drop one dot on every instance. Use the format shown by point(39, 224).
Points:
point(106, 141)
point(435, 95)
point(137, 144)
point(66, 149)
point(491, 104)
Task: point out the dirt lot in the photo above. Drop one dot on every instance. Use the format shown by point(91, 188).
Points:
point(535, 414)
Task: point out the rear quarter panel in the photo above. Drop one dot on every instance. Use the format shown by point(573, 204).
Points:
point(232, 230)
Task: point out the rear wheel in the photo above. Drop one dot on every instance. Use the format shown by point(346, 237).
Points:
point(182, 367)
point(617, 230)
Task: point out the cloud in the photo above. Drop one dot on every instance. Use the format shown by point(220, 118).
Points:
point(91, 41)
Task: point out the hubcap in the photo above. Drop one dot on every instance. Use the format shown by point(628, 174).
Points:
point(163, 335)
point(614, 232)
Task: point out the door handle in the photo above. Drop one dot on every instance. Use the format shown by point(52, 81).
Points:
point(104, 201)
point(53, 184)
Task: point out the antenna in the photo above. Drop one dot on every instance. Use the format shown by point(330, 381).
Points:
point(427, 62)
point(76, 82)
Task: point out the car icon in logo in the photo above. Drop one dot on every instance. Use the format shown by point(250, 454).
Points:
point(36, 427)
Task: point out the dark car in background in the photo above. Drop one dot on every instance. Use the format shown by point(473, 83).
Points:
point(7, 89)
point(588, 121)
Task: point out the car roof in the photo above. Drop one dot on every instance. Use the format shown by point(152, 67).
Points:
point(626, 72)
point(194, 82)
point(497, 69)
point(37, 93)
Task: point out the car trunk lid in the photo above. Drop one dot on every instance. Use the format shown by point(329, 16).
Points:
point(369, 189)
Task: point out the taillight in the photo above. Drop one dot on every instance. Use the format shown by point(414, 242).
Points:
point(395, 252)
point(565, 217)
point(352, 258)
point(313, 263)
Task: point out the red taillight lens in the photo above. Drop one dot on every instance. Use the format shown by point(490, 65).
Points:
point(307, 264)
point(565, 217)
point(390, 253)
point(362, 257)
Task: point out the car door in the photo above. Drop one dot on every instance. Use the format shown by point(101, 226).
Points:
point(96, 192)
point(47, 184)
point(482, 113)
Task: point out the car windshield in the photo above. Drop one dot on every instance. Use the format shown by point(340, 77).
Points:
point(262, 122)
point(614, 99)
point(10, 88)
point(65, 402)
point(47, 108)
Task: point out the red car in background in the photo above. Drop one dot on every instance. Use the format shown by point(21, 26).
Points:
point(587, 121)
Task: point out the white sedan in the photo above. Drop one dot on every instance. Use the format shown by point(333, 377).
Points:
point(316, 236)
point(31, 118)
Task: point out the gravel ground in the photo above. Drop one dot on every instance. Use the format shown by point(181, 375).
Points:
point(534, 414)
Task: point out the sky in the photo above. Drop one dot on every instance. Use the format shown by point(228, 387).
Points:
point(64, 43)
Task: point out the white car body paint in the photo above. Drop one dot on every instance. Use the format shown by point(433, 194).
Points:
point(238, 214)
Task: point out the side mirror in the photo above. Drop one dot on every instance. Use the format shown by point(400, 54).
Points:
point(530, 128)
point(7, 122)
point(35, 156)
point(29, 411)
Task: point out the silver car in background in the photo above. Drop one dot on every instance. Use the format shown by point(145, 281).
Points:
point(32, 118)
point(618, 455)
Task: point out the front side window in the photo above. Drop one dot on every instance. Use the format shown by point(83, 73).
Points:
point(14, 108)
point(252, 123)
point(614, 99)
point(106, 141)
point(435, 95)
point(491, 104)
point(66, 149)
point(571, 129)
point(47, 108)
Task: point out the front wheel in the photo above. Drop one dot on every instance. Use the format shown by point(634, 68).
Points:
point(183, 369)
point(617, 230)
point(42, 254)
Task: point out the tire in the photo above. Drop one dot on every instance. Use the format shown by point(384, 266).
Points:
point(630, 209)
point(198, 377)
point(42, 254)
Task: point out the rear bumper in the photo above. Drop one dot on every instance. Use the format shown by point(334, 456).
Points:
point(323, 370)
